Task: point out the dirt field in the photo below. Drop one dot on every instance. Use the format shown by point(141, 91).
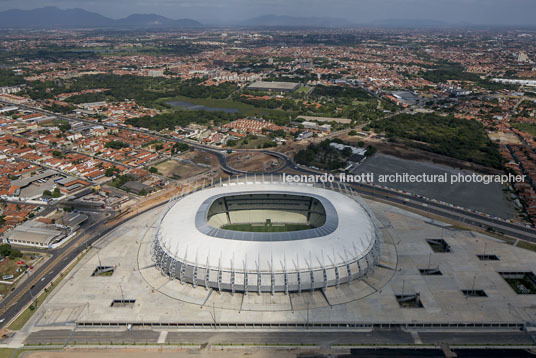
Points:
point(200, 157)
point(175, 169)
point(504, 138)
point(254, 162)
point(126, 353)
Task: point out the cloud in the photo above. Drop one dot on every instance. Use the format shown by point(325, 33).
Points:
point(360, 11)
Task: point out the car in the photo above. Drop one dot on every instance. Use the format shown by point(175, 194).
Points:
point(2, 320)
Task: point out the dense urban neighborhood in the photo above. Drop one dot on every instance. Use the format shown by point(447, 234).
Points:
point(99, 126)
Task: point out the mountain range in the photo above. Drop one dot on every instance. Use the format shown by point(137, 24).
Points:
point(52, 17)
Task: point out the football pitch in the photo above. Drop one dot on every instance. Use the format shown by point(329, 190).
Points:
point(266, 227)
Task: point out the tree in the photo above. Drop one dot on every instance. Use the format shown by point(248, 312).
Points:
point(153, 170)
point(56, 193)
point(231, 143)
point(116, 144)
point(347, 151)
point(47, 193)
point(111, 171)
point(352, 133)
point(7, 250)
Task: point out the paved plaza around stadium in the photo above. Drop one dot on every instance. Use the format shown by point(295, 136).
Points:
point(85, 299)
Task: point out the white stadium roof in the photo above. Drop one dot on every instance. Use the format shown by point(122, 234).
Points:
point(347, 237)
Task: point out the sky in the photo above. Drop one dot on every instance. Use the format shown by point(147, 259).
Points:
point(478, 12)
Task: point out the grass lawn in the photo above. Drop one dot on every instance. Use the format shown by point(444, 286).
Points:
point(9, 267)
point(529, 128)
point(6, 352)
point(526, 245)
point(266, 228)
point(517, 283)
point(303, 89)
point(253, 143)
point(245, 109)
point(218, 103)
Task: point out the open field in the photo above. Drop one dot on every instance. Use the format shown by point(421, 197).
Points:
point(504, 138)
point(529, 128)
point(303, 90)
point(176, 170)
point(9, 267)
point(200, 157)
point(327, 119)
point(218, 103)
point(254, 162)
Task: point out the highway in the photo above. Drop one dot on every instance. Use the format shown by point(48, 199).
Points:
point(43, 275)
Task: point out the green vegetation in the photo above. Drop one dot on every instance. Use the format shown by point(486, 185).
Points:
point(57, 154)
point(116, 144)
point(344, 92)
point(529, 128)
point(54, 194)
point(181, 118)
point(231, 143)
point(62, 124)
point(323, 155)
point(27, 314)
point(89, 97)
point(449, 71)
point(120, 180)
point(7, 251)
point(9, 78)
point(267, 227)
point(7, 352)
point(211, 102)
point(153, 170)
point(526, 245)
point(144, 90)
point(179, 147)
point(523, 285)
point(454, 137)
point(56, 108)
point(111, 171)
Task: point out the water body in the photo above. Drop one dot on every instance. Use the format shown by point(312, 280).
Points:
point(488, 198)
point(199, 107)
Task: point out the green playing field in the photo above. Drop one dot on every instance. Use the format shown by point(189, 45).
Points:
point(266, 227)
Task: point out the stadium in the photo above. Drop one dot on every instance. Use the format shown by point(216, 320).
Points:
point(266, 236)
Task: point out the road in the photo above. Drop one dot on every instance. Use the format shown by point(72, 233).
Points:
point(63, 256)
point(481, 221)
point(320, 338)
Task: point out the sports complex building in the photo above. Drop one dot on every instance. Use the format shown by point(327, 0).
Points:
point(267, 236)
point(257, 252)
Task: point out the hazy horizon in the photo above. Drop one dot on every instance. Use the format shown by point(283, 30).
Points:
point(471, 12)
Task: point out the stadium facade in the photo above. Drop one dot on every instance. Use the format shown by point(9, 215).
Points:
point(265, 235)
